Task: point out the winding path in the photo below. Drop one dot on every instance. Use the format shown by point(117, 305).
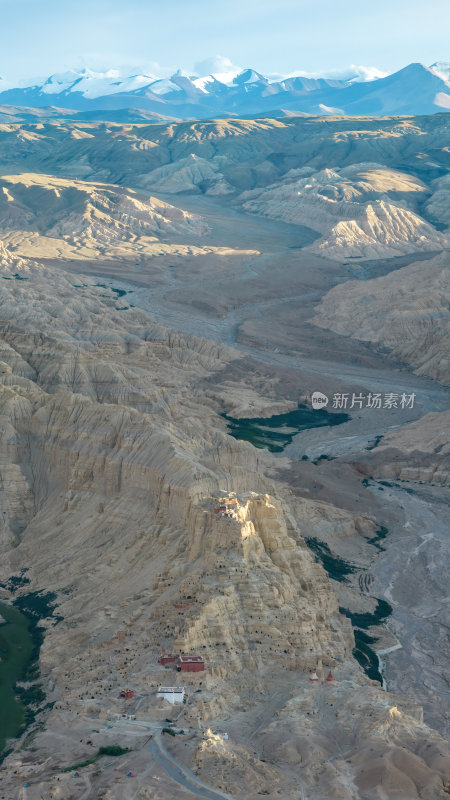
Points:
point(182, 775)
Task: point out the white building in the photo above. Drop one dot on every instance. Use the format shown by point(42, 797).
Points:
point(174, 694)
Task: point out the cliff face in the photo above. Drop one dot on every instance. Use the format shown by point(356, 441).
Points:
point(111, 467)
point(252, 585)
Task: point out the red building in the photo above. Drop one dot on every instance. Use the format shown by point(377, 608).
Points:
point(190, 664)
point(126, 694)
point(169, 659)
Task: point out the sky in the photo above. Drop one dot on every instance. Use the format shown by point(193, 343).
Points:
point(39, 37)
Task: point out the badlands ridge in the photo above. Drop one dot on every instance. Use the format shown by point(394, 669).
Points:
point(153, 279)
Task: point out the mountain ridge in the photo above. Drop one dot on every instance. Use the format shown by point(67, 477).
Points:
point(414, 89)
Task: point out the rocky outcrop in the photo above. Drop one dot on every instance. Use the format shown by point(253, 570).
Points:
point(94, 428)
point(191, 174)
point(363, 211)
point(383, 230)
point(418, 452)
point(318, 199)
point(251, 588)
point(81, 213)
point(405, 311)
point(371, 734)
point(437, 207)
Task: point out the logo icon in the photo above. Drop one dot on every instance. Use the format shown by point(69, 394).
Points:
point(319, 400)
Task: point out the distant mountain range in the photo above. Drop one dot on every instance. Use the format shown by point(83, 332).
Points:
point(415, 89)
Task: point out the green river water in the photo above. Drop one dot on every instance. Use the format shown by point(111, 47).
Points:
point(16, 648)
point(276, 432)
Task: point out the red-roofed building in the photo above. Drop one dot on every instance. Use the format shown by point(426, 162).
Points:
point(191, 664)
point(169, 659)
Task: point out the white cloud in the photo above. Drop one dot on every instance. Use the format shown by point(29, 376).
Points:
point(442, 70)
point(442, 100)
point(352, 73)
point(363, 74)
point(216, 65)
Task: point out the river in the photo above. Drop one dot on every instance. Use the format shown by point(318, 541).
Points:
point(16, 648)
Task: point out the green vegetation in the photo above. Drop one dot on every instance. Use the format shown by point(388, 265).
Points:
point(16, 647)
point(276, 432)
point(36, 606)
point(382, 611)
point(113, 750)
point(375, 442)
point(169, 731)
point(323, 457)
point(15, 582)
point(108, 750)
point(81, 764)
point(380, 534)
point(363, 652)
point(118, 292)
point(21, 696)
point(366, 656)
point(336, 567)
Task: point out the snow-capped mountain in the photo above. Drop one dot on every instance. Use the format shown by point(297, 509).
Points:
point(441, 69)
point(92, 84)
point(416, 89)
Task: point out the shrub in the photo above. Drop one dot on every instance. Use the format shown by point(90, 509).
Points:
point(113, 750)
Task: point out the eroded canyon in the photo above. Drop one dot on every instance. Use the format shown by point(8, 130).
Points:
point(156, 281)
